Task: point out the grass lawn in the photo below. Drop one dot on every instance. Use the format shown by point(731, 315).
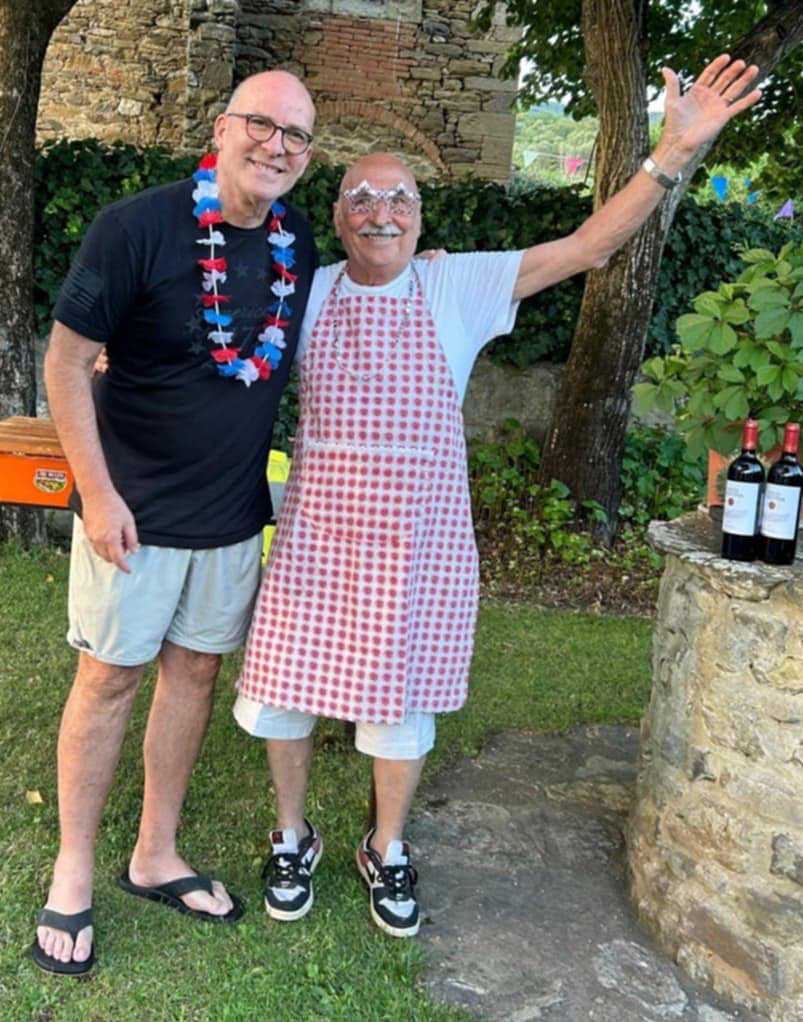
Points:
point(533, 670)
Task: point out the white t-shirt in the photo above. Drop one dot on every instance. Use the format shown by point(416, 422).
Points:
point(470, 296)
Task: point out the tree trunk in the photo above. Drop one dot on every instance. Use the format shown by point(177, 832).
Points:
point(25, 28)
point(587, 429)
point(585, 444)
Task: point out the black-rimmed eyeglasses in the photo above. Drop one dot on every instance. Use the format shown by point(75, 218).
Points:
point(295, 140)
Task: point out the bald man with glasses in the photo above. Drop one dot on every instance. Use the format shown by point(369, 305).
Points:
point(197, 291)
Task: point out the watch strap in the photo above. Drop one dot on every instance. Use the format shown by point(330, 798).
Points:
point(655, 172)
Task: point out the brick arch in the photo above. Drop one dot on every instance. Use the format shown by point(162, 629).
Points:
point(329, 111)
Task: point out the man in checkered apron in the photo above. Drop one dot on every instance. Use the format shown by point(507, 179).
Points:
point(367, 608)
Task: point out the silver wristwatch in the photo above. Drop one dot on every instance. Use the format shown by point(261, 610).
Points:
point(659, 175)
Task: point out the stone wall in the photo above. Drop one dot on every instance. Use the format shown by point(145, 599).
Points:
point(496, 393)
point(403, 75)
point(421, 86)
point(211, 48)
point(117, 70)
point(715, 843)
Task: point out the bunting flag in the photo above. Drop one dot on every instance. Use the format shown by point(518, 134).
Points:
point(786, 212)
point(720, 185)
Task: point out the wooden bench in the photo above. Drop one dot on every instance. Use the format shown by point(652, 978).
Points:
point(33, 469)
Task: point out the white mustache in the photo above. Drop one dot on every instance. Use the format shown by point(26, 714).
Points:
point(379, 231)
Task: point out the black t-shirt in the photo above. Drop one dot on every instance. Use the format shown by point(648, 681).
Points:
point(186, 447)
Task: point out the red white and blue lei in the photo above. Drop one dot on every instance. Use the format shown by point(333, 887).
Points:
point(271, 340)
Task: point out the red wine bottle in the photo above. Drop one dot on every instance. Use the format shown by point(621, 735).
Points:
point(740, 540)
point(781, 512)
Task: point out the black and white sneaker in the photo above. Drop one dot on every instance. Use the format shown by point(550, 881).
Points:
point(288, 873)
point(391, 882)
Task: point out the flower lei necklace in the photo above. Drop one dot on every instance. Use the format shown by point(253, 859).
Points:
point(268, 352)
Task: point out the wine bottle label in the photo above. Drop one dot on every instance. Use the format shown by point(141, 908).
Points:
point(781, 511)
point(741, 508)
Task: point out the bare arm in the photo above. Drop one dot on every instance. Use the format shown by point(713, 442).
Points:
point(108, 522)
point(690, 120)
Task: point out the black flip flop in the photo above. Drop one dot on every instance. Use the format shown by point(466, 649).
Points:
point(170, 894)
point(72, 925)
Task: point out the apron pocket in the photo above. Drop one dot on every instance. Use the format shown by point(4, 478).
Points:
point(367, 494)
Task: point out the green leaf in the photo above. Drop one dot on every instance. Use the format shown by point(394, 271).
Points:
point(694, 330)
point(722, 338)
point(758, 255)
point(780, 351)
point(789, 379)
point(655, 368)
point(736, 313)
point(738, 406)
point(644, 396)
point(768, 374)
point(744, 354)
point(700, 404)
point(771, 297)
point(772, 322)
point(696, 442)
point(665, 399)
point(759, 359)
point(795, 328)
point(709, 303)
point(730, 374)
point(775, 413)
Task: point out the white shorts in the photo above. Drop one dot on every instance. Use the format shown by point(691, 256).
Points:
point(411, 739)
point(199, 599)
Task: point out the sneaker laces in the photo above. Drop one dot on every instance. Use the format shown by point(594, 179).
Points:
point(398, 879)
point(283, 869)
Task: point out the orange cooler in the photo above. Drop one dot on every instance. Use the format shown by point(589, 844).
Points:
point(33, 469)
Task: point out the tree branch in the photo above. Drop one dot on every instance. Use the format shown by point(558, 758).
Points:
point(772, 38)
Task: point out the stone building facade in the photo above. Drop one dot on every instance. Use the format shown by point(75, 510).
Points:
point(409, 76)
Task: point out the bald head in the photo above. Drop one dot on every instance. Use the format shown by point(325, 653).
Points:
point(376, 165)
point(281, 84)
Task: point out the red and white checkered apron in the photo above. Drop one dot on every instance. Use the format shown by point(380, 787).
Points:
point(369, 599)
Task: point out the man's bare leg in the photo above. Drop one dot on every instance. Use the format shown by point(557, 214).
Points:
point(92, 728)
point(178, 719)
point(396, 781)
point(289, 761)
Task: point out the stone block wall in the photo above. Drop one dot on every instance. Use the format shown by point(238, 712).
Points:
point(715, 841)
point(117, 71)
point(413, 79)
point(404, 75)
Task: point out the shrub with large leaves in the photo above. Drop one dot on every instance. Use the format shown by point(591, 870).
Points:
point(740, 355)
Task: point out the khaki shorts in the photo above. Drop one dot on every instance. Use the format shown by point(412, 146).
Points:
point(411, 739)
point(199, 599)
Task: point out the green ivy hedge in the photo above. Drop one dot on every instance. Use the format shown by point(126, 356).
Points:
point(75, 178)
